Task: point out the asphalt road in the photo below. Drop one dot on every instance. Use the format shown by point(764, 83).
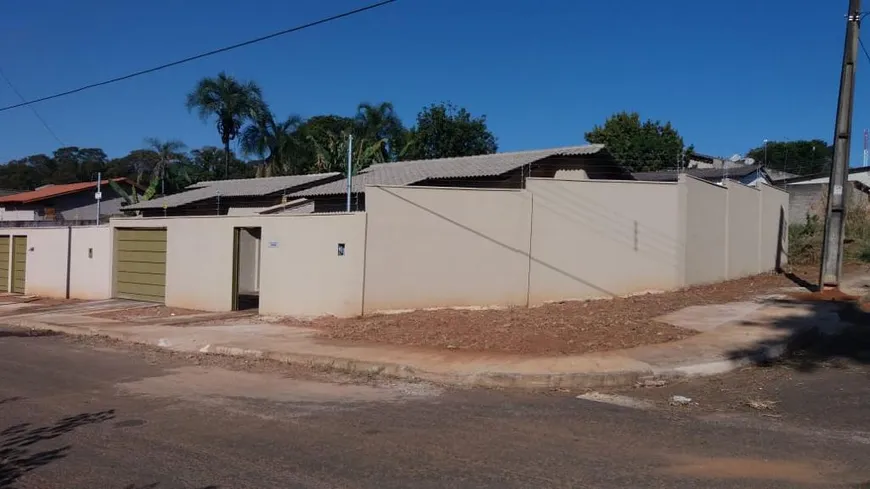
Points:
point(76, 414)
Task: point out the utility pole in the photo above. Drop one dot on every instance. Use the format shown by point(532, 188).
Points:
point(99, 195)
point(832, 246)
point(349, 168)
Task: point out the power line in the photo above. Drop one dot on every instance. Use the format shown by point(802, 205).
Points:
point(202, 55)
point(32, 108)
point(864, 48)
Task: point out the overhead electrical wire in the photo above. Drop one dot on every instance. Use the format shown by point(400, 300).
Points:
point(201, 55)
point(32, 108)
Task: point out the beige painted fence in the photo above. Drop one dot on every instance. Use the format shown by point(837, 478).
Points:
point(67, 262)
point(418, 247)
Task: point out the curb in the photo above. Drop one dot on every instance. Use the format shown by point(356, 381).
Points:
point(574, 380)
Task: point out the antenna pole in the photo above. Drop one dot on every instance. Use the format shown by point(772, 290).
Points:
point(835, 221)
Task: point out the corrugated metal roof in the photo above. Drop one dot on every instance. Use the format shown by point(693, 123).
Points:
point(408, 172)
point(702, 173)
point(245, 187)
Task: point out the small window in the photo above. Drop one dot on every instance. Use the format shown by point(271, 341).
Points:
point(49, 213)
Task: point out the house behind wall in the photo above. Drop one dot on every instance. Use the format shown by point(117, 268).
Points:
point(418, 247)
point(810, 199)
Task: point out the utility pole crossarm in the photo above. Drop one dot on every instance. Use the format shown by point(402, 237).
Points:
point(832, 246)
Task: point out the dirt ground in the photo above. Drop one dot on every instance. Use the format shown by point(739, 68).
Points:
point(559, 328)
point(145, 313)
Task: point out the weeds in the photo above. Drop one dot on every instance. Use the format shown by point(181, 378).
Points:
point(805, 238)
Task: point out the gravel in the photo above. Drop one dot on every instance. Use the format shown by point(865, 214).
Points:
point(554, 329)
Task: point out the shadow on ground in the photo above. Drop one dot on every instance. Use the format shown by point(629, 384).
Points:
point(19, 454)
point(156, 485)
point(24, 333)
point(833, 334)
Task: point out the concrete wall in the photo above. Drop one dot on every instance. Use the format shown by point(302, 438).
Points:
point(430, 247)
point(53, 253)
point(810, 199)
point(302, 272)
point(199, 259)
point(600, 238)
point(774, 227)
point(743, 230)
point(46, 271)
point(706, 213)
point(91, 263)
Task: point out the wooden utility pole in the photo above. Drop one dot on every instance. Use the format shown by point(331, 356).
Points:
point(832, 246)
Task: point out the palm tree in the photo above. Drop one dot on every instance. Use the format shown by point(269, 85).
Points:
point(273, 141)
point(168, 153)
point(330, 150)
point(376, 122)
point(231, 102)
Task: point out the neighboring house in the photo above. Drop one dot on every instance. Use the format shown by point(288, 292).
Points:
point(62, 203)
point(499, 170)
point(810, 199)
point(859, 174)
point(246, 196)
point(745, 174)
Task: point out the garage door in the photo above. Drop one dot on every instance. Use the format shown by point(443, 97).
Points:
point(4, 263)
point(19, 263)
point(140, 264)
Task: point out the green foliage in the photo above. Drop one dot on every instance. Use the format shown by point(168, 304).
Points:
point(640, 145)
point(444, 130)
point(805, 238)
point(803, 157)
point(805, 241)
point(864, 252)
point(129, 198)
point(276, 142)
point(230, 102)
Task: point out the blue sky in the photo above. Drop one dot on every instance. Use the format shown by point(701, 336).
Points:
point(727, 74)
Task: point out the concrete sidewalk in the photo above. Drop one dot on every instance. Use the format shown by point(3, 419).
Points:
point(732, 335)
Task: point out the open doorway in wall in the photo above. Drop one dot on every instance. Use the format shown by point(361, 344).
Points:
point(246, 268)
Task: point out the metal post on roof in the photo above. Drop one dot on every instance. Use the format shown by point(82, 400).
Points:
point(349, 167)
point(98, 195)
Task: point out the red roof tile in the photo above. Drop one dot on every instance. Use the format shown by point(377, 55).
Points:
point(55, 191)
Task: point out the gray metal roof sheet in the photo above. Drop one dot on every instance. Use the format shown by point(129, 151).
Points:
point(409, 172)
point(244, 187)
point(702, 173)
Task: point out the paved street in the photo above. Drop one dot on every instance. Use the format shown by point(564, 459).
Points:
point(96, 414)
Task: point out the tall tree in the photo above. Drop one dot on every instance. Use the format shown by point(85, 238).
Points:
point(640, 145)
point(206, 164)
point(802, 157)
point(135, 165)
point(376, 122)
point(231, 102)
point(443, 131)
point(275, 142)
point(168, 153)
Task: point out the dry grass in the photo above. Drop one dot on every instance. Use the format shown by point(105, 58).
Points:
point(553, 329)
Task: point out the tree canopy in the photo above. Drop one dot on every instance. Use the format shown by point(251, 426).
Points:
point(640, 145)
point(802, 157)
point(278, 144)
point(444, 130)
